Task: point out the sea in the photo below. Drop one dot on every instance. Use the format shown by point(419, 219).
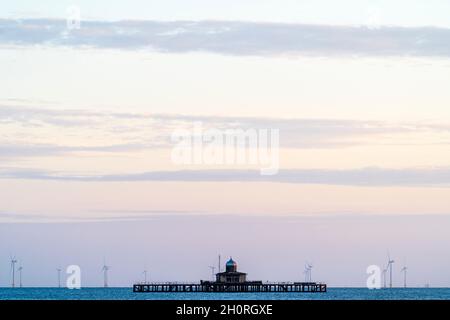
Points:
point(128, 294)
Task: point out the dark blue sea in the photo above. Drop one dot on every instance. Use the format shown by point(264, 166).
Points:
point(128, 294)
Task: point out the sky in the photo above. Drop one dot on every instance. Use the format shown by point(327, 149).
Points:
point(357, 89)
point(345, 12)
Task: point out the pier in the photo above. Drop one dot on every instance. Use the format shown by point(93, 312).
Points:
point(231, 281)
point(207, 286)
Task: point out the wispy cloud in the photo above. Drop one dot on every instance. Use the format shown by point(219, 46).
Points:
point(15, 217)
point(431, 177)
point(232, 37)
point(30, 150)
point(30, 131)
point(59, 117)
point(102, 216)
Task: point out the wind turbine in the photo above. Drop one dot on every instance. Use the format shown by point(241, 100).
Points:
point(218, 265)
point(212, 271)
point(310, 266)
point(145, 276)
point(20, 276)
point(306, 273)
point(13, 269)
point(59, 277)
point(105, 274)
point(390, 263)
point(404, 269)
point(384, 277)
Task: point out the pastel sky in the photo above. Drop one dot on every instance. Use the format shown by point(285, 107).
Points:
point(358, 91)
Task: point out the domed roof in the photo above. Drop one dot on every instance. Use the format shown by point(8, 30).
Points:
point(231, 263)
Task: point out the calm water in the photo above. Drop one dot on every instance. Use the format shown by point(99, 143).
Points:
point(127, 294)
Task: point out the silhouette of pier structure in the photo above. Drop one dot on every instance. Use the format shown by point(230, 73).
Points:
point(231, 281)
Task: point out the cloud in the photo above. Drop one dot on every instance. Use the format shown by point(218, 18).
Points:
point(376, 177)
point(8, 216)
point(90, 216)
point(30, 131)
point(232, 37)
point(58, 117)
point(31, 150)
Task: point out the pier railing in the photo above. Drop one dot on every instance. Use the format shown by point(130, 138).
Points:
point(250, 286)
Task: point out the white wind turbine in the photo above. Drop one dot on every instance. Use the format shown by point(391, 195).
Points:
point(13, 270)
point(105, 274)
point(145, 275)
point(59, 277)
point(212, 271)
point(404, 270)
point(20, 276)
point(384, 277)
point(310, 266)
point(389, 266)
point(307, 272)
